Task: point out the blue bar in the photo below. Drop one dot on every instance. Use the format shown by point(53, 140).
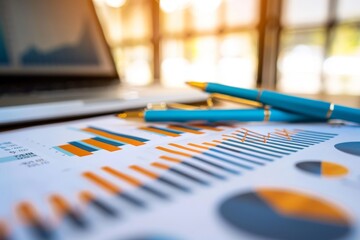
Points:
point(83, 146)
point(108, 141)
point(237, 157)
point(166, 129)
point(90, 146)
point(250, 149)
point(189, 127)
point(255, 145)
point(242, 152)
point(120, 135)
point(228, 161)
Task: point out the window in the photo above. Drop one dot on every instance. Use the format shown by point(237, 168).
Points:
point(320, 47)
point(296, 46)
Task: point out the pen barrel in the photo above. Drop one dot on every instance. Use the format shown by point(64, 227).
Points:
point(317, 109)
point(309, 107)
point(277, 115)
point(346, 113)
point(215, 115)
point(250, 94)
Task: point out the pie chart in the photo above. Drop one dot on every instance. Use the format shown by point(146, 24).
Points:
point(284, 214)
point(349, 147)
point(322, 168)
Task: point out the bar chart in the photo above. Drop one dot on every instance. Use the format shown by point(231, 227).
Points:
point(180, 170)
point(103, 140)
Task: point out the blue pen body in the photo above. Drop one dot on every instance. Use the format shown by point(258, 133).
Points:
point(215, 115)
point(309, 107)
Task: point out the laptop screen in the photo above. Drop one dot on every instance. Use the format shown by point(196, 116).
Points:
point(52, 37)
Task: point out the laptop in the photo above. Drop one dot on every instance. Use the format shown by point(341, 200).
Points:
point(55, 63)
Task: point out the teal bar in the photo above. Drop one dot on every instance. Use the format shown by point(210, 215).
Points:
point(8, 159)
point(63, 151)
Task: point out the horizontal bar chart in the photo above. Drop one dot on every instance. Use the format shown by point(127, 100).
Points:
point(176, 169)
point(104, 140)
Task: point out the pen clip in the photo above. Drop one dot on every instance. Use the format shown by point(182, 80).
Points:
point(211, 102)
point(222, 97)
point(139, 114)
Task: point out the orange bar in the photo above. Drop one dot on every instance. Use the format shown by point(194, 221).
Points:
point(114, 137)
point(144, 171)
point(207, 127)
point(185, 148)
point(131, 180)
point(160, 165)
point(86, 196)
point(210, 144)
point(181, 129)
point(102, 182)
point(171, 159)
point(171, 134)
point(101, 145)
point(60, 205)
point(173, 151)
point(27, 213)
point(75, 150)
point(199, 146)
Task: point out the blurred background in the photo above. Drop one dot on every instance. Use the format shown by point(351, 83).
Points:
point(294, 46)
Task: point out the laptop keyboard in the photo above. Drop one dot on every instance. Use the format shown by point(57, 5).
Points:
point(24, 89)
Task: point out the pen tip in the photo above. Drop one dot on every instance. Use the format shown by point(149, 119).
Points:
point(201, 85)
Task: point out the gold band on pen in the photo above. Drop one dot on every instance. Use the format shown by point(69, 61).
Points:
point(267, 114)
point(260, 91)
point(330, 111)
point(132, 114)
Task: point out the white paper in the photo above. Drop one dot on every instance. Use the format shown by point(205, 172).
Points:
point(32, 169)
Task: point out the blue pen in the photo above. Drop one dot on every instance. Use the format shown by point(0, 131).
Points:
point(309, 107)
point(217, 115)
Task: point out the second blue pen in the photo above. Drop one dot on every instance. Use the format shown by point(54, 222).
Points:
point(216, 115)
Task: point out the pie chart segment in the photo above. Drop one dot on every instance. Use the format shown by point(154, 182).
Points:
point(349, 147)
point(333, 169)
point(300, 206)
point(283, 214)
point(322, 168)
